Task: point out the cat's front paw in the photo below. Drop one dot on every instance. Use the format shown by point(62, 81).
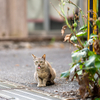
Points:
point(39, 85)
point(43, 85)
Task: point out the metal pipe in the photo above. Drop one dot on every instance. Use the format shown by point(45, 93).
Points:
point(46, 16)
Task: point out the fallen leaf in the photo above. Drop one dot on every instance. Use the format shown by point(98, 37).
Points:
point(27, 65)
point(61, 45)
point(55, 91)
point(17, 65)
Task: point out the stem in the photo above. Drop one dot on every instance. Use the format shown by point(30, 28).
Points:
point(98, 74)
point(78, 8)
point(58, 12)
point(70, 27)
point(65, 18)
point(78, 39)
point(82, 17)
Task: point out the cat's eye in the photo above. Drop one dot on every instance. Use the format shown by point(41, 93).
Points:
point(41, 61)
point(36, 62)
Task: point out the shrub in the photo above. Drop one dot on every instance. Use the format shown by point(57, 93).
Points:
point(86, 63)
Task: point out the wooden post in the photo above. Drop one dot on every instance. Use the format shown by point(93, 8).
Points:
point(16, 16)
point(13, 18)
point(3, 19)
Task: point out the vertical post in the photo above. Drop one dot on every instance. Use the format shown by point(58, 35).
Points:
point(94, 16)
point(81, 2)
point(16, 15)
point(98, 8)
point(92, 6)
point(3, 19)
point(90, 23)
point(46, 15)
point(98, 12)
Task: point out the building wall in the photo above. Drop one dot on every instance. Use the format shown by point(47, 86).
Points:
point(13, 18)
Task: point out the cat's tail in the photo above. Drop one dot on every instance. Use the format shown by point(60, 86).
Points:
point(50, 83)
point(51, 77)
point(53, 74)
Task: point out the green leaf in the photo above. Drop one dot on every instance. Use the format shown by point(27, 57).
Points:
point(65, 74)
point(92, 70)
point(88, 68)
point(76, 50)
point(93, 36)
point(90, 62)
point(81, 66)
point(98, 23)
point(73, 38)
point(85, 44)
point(91, 53)
point(97, 64)
point(97, 58)
point(99, 71)
point(75, 67)
point(85, 49)
point(81, 34)
point(97, 99)
point(89, 42)
point(77, 56)
point(99, 81)
point(79, 72)
point(83, 28)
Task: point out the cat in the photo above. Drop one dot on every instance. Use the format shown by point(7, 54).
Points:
point(44, 73)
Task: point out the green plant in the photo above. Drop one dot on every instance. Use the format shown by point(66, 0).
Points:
point(86, 64)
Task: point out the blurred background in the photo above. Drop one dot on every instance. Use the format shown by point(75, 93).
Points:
point(32, 19)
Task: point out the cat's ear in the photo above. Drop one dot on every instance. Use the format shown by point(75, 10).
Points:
point(33, 56)
point(44, 56)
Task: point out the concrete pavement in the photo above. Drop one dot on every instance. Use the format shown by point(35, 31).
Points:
point(12, 92)
point(16, 65)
